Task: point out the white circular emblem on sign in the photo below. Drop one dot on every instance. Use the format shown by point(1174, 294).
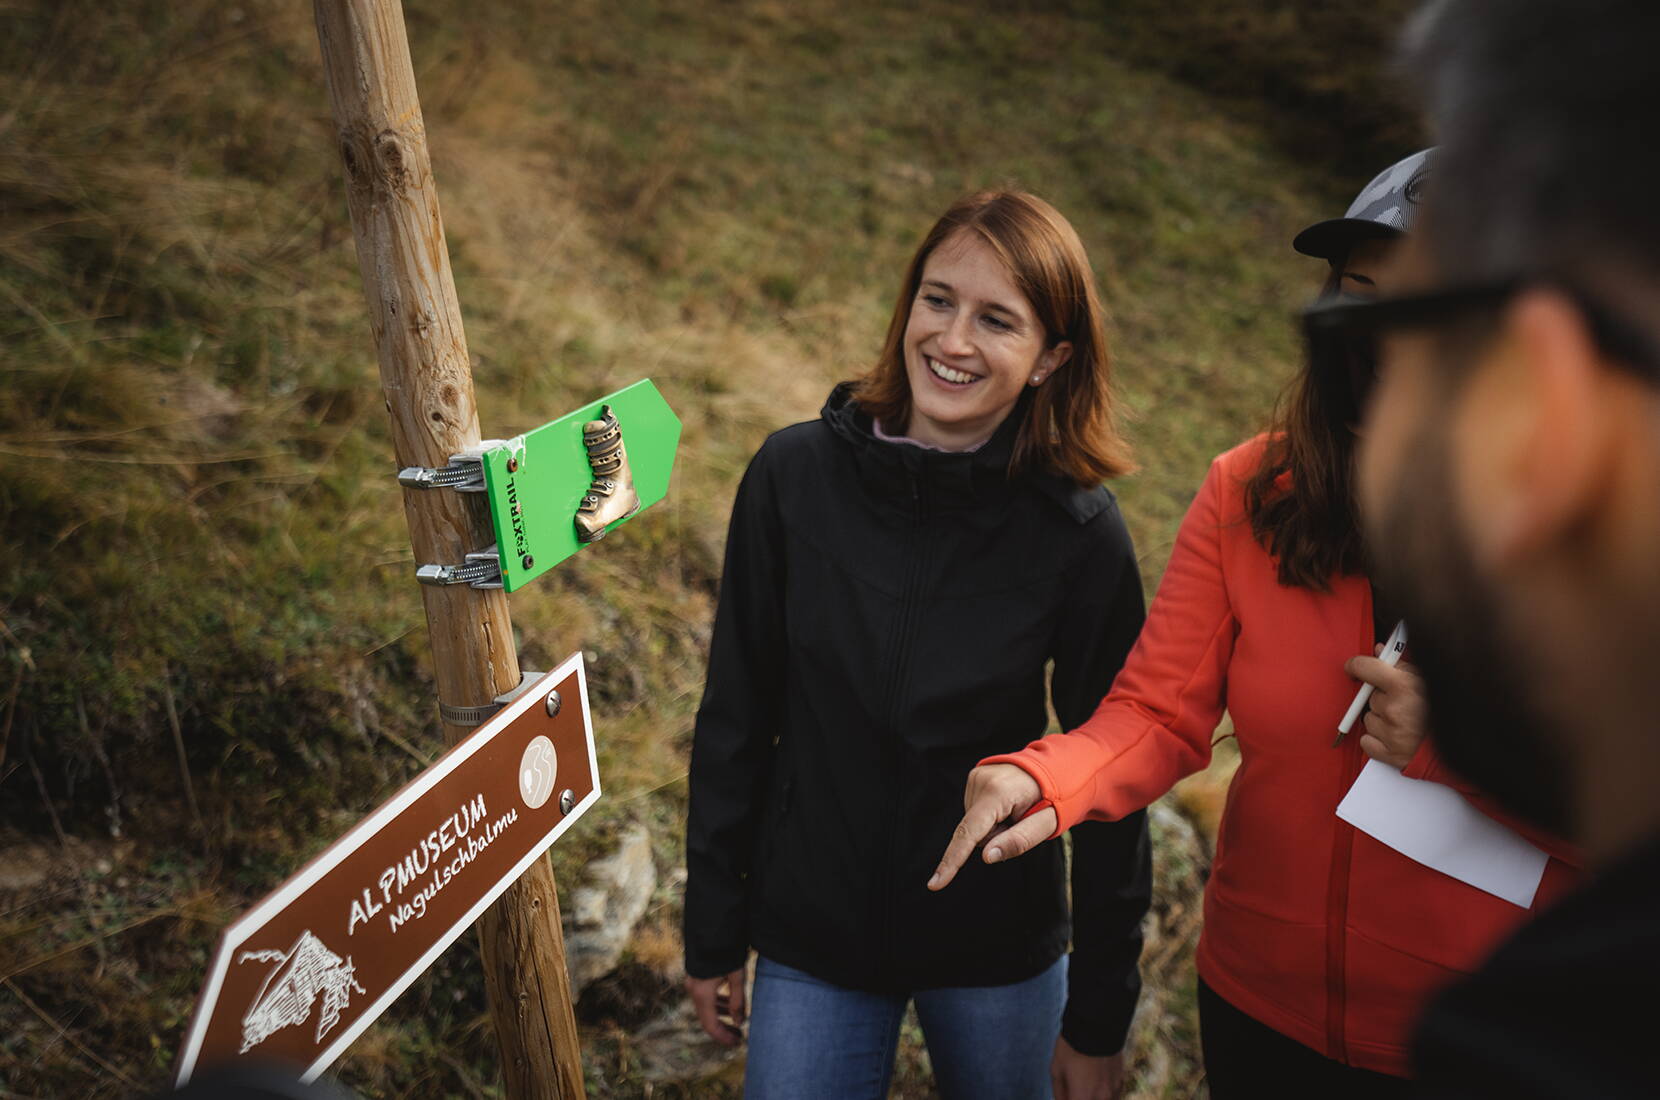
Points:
point(538, 768)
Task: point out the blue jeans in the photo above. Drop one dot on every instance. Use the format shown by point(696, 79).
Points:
point(808, 1038)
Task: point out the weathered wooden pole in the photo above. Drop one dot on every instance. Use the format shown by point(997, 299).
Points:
point(428, 383)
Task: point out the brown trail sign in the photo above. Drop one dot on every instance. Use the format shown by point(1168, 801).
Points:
point(311, 966)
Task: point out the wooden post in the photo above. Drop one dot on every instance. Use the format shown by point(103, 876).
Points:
point(428, 384)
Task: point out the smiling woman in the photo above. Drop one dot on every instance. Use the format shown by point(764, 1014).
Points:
point(971, 346)
point(1000, 297)
point(899, 574)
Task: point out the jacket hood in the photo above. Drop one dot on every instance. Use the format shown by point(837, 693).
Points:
point(959, 477)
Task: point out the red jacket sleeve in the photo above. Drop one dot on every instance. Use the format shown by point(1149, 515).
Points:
point(1427, 764)
point(1156, 724)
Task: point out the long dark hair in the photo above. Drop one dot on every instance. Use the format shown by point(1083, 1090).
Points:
point(1070, 426)
point(1301, 498)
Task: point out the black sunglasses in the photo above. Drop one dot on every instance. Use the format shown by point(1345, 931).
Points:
point(1343, 336)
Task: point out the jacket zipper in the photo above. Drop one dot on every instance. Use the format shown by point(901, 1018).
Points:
point(896, 679)
point(907, 607)
point(1337, 890)
point(1337, 923)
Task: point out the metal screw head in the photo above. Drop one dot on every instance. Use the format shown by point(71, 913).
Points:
point(554, 703)
point(527, 561)
point(567, 801)
point(512, 465)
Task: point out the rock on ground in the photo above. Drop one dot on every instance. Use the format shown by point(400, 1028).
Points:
point(605, 909)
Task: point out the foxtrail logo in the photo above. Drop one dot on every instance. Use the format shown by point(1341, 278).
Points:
point(516, 510)
point(303, 973)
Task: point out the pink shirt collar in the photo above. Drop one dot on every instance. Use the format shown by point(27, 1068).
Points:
point(876, 426)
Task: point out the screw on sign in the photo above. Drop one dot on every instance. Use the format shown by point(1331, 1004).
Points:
point(305, 971)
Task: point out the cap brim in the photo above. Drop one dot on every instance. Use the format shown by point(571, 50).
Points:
point(1330, 240)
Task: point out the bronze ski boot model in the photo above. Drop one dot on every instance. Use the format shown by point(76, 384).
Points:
point(611, 497)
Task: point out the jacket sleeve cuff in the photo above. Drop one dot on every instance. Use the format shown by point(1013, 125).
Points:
point(714, 964)
point(1046, 787)
point(1096, 1031)
point(1080, 1041)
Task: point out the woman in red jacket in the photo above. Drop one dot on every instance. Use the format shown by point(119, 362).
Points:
point(1321, 944)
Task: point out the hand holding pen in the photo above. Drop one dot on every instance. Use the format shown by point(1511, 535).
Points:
point(1395, 725)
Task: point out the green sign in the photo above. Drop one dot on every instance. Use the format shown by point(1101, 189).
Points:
point(537, 481)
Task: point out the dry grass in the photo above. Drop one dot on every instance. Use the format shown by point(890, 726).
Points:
point(194, 492)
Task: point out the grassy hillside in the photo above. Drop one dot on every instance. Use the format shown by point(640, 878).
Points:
point(200, 539)
point(1313, 76)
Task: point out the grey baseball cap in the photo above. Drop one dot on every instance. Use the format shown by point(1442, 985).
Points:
point(1386, 207)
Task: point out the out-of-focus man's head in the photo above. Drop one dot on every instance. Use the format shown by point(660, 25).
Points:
point(1510, 473)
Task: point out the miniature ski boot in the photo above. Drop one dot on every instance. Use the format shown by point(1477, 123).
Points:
point(611, 496)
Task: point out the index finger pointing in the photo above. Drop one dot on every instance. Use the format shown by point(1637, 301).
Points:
point(975, 826)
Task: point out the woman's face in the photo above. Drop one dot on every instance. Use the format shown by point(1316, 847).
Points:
point(1366, 271)
point(971, 344)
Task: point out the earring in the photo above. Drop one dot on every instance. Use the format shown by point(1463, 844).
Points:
point(1036, 378)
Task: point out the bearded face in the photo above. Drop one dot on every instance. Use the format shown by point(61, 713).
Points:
point(1483, 719)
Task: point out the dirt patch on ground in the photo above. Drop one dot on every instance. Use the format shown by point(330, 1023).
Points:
point(626, 998)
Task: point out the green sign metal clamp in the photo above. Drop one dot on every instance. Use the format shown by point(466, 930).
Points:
point(553, 490)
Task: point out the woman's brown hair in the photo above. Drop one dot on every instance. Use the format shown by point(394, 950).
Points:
point(1301, 498)
point(1070, 425)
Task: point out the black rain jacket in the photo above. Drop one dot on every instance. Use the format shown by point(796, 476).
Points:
point(886, 614)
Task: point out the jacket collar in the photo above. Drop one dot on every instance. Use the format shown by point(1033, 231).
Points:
point(978, 477)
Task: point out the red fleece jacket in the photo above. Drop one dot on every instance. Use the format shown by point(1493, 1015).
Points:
point(1313, 928)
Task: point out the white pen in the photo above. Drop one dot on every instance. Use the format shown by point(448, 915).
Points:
point(1391, 656)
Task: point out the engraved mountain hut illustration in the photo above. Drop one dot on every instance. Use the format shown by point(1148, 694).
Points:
point(305, 971)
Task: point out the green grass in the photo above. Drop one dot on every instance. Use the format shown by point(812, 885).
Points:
point(195, 490)
point(1313, 76)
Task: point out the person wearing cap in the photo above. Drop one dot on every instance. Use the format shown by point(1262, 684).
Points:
point(1320, 944)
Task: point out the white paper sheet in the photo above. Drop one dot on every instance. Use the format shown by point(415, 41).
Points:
point(1435, 826)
